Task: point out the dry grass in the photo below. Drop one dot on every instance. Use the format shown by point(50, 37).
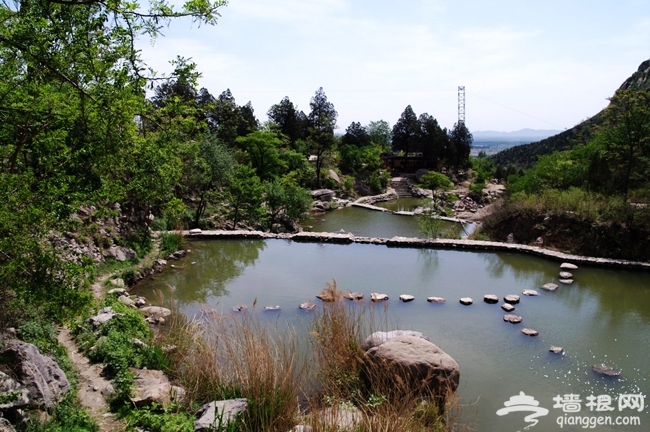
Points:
point(223, 357)
point(239, 357)
point(365, 398)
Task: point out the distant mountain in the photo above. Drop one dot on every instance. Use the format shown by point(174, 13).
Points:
point(527, 154)
point(522, 134)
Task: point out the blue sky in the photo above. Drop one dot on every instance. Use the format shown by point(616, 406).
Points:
point(525, 64)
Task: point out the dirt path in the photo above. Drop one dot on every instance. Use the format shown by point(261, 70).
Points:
point(91, 384)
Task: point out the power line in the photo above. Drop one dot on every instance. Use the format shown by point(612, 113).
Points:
point(517, 111)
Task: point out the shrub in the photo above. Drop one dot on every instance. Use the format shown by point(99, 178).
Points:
point(435, 180)
point(171, 242)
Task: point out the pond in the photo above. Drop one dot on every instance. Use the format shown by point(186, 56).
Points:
point(368, 223)
point(603, 317)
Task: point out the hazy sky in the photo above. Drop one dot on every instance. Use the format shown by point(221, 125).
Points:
point(525, 64)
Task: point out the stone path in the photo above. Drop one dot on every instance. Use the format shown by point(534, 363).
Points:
point(414, 242)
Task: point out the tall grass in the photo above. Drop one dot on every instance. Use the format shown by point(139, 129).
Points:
point(288, 380)
point(240, 357)
point(381, 400)
point(171, 242)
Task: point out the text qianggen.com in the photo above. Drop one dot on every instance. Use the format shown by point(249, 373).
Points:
point(591, 422)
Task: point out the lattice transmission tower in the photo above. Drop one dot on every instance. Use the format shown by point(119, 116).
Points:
point(461, 104)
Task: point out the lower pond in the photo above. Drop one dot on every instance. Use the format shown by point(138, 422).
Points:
point(603, 317)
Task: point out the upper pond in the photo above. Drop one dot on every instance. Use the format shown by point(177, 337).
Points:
point(604, 317)
point(368, 223)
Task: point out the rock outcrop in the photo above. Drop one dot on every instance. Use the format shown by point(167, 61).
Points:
point(44, 380)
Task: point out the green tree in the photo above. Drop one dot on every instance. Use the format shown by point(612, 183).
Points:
point(627, 137)
point(431, 139)
point(261, 151)
point(285, 198)
point(72, 85)
point(213, 166)
point(289, 121)
point(380, 134)
point(405, 131)
point(322, 122)
point(460, 140)
point(245, 196)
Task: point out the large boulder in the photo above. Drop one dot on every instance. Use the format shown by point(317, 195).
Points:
point(379, 337)
point(220, 413)
point(153, 386)
point(323, 194)
point(40, 375)
point(407, 365)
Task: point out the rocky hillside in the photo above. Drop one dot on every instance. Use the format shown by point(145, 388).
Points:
point(526, 155)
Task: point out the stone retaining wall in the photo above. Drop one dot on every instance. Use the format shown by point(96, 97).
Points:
point(409, 242)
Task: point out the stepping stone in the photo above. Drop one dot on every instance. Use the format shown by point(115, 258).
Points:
point(307, 306)
point(568, 266)
point(530, 292)
point(566, 281)
point(513, 319)
point(603, 369)
point(566, 275)
point(272, 308)
point(511, 298)
point(507, 307)
point(378, 297)
point(466, 301)
point(550, 286)
point(406, 298)
point(436, 299)
point(353, 296)
point(490, 298)
point(529, 332)
point(556, 350)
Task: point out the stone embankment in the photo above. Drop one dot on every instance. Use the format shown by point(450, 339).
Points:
point(409, 242)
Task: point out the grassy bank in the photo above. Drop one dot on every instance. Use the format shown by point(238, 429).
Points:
point(574, 221)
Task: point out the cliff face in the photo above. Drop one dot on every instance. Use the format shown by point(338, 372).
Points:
point(640, 80)
point(526, 155)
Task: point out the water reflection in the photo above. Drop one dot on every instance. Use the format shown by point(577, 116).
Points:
point(212, 267)
point(604, 317)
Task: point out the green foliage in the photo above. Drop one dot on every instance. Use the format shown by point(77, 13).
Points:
point(113, 343)
point(155, 419)
point(435, 180)
point(285, 197)
point(483, 167)
point(67, 416)
point(430, 225)
point(42, 335)
point(476, 191)
point(380, 134)
point(245, 196)
point(261, 152)
point(171, 242)
point(322, 121)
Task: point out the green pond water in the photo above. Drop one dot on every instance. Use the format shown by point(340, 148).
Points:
point(604, 317)
point(369, 223)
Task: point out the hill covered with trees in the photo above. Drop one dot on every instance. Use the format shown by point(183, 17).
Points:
point(524, 156)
